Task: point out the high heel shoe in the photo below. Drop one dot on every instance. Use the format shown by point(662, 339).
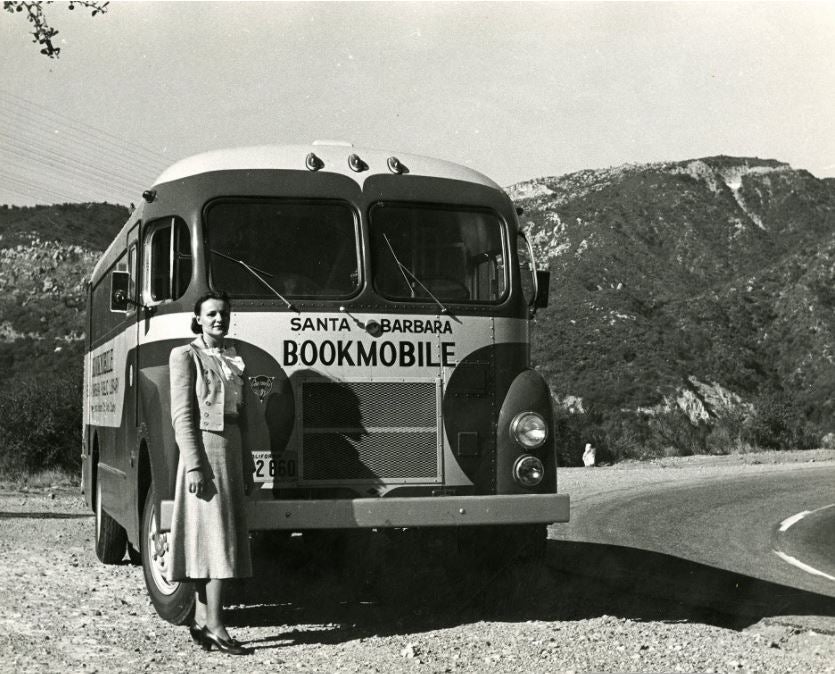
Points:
point(196, 633)
point(231, 646)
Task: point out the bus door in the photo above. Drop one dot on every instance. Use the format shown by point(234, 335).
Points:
point(112, 404)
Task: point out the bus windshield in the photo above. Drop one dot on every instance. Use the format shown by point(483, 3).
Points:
point(300, 248)
point(425, 252)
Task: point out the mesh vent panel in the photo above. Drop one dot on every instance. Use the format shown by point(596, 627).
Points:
point(354, 404)
point(375, 431)
point(331, 456)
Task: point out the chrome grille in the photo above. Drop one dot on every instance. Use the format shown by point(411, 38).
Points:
point(370, 431)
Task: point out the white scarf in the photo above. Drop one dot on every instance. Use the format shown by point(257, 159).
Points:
point(231, 364)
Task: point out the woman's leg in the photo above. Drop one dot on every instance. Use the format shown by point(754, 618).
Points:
point(200, 608)
point(214, 607)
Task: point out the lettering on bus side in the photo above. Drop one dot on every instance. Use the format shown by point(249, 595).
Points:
point(415, 326)
point(353, 353)
point(103, 363)
point(356, 353)
point(105, 388)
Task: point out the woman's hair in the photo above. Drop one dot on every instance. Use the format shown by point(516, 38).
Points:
point(210, 295)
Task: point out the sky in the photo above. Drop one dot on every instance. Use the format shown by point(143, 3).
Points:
point(516, 90)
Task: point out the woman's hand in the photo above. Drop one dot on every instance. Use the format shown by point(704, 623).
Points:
point(195, 482)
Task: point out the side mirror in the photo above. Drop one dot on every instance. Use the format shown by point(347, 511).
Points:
point(119, 283)
point(120, 299)
point(543, 287)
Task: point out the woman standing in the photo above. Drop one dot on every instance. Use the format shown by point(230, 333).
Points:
point(209, 537)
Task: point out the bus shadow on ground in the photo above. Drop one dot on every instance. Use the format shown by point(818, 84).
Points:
point(374, 585)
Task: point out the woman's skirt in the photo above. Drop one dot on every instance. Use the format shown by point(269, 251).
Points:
point(209, 536)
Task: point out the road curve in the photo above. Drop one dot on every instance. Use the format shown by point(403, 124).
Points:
point(725, 520)
point(806, 540)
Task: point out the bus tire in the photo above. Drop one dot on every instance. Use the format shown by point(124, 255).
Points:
point(174, 602)
point(111, 537)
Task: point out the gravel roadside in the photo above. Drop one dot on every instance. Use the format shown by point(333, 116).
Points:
point(64, 611)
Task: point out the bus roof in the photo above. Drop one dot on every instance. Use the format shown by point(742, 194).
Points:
point(334, 157)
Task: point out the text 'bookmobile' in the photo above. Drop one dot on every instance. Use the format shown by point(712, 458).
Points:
point(382, 305)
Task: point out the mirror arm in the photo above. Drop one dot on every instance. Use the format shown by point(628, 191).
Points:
point(121, 297)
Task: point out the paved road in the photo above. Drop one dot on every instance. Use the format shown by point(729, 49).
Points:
point(713, 539)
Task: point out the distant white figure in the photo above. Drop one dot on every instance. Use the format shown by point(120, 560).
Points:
point(589, 455)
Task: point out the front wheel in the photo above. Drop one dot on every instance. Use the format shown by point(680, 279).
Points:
point(174, 602)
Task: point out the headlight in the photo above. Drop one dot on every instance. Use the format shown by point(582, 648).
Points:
point(528, 470)
point(529, 429)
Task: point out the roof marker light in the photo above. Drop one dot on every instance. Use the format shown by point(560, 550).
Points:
point(356, 164)
point(396, 166)
point(313, 162)
point(149, 195)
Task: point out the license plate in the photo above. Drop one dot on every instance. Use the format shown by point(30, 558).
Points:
point(271, 469)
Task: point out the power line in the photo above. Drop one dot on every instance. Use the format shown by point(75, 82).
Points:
point(20, 194)
point(22, 150)
point(65, 172)
point(26, 184)
point(56, 181)
point(26, 181)
point(29, 127)
point(85, 160)
point(36, 108)
point(42, 139)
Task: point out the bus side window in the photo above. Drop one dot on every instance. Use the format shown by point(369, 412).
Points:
point(133, 271)
point(169, 248)
point(526, 269)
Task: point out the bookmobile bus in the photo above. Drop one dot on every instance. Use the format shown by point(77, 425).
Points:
point(382, 304)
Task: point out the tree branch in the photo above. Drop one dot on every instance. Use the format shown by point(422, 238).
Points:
point(42, 32)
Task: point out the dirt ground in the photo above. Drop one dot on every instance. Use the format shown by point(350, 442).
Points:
point(389, 604)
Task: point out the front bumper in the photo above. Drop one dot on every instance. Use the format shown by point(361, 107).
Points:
point(378, 513)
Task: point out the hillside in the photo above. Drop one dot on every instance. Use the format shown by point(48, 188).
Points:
point(691, 303)
point(46, 255)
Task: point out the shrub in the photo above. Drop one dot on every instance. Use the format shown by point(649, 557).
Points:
point(779, 423)
point(40, 422)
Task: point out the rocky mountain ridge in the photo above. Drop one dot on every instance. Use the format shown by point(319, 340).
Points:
point(700, 289)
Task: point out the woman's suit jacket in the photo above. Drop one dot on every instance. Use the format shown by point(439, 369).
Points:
point(196, 377)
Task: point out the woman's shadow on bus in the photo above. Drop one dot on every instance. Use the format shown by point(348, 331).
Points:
point(325, 416)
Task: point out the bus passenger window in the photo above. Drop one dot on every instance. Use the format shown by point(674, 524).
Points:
point(169, 248)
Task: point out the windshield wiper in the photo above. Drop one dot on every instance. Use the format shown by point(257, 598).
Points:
point(255, 272)
point(407, 274)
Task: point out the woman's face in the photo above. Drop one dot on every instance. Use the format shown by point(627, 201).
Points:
point(214, 318)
